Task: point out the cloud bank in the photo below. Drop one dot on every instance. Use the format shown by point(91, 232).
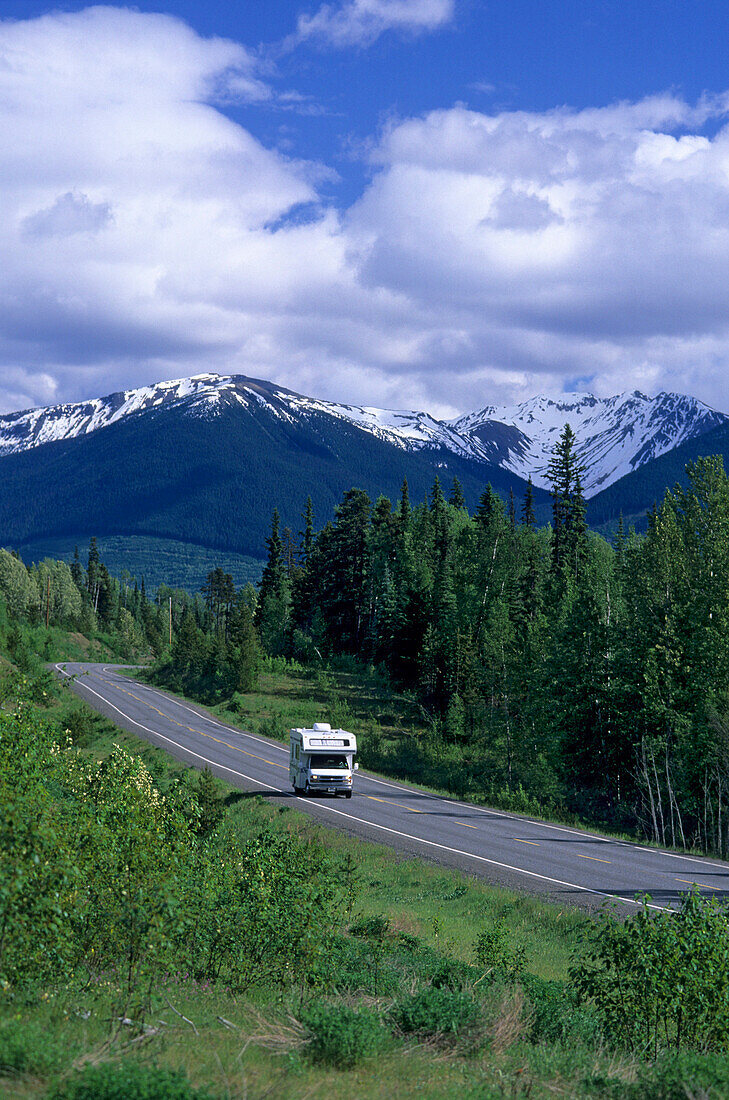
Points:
point(146, 235)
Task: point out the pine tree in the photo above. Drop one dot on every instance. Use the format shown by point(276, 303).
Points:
point(527, 515)
point(437, 500)
point(404, 507)
point(244, 646)
point(274, 595)
point(343, 594)
point(92, 572)
point(272, 579)
point(77, 570)
point(489, 504)
point(457, 499)
point(307, 535)
point(209, 797)
point(512, 510)
point(569, 528)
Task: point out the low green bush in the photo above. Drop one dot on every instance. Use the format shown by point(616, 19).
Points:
point(28, 1048)
point(678, 1076)
point(496, 955)
point(434, 1011)
point(343, 1036)
point(374, 928)
point(556, 1015)
point(382, 967)
point(127, 1081)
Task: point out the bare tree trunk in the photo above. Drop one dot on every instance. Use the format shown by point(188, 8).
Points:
point(659, 799)
point(647, 781)
point(508, 723)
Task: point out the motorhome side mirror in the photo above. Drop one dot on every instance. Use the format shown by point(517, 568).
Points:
point(356, 767)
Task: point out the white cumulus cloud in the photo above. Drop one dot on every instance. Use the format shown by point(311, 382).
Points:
point(361, 22)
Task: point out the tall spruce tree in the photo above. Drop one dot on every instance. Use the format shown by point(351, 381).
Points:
point(488, 505)
point(527, 515)
point(569, 528)
point(274, 595)
point(457, 499)
point(307, 535)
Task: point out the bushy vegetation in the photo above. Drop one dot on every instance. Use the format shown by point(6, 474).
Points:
point(342, 1036)
point(124, 913)
point(103, 872)
point(129, 1081)
point(662, 981)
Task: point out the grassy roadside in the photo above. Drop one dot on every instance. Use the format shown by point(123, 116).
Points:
point(488, 965)
point(444, 907)
point(426, 920)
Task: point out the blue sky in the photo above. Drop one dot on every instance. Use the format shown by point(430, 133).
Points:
point(416, 203)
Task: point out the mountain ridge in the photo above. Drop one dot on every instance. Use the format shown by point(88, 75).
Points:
point(615, 435)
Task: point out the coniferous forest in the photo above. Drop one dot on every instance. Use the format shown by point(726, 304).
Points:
point(585, 677)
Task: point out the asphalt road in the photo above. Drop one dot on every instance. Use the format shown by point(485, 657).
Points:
point(572, 866)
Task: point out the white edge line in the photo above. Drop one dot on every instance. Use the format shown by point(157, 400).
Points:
point(373, 824)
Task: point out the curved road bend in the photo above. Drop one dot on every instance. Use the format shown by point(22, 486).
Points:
point(571, 866)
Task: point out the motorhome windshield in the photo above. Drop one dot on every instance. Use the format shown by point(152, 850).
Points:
point(320, 760)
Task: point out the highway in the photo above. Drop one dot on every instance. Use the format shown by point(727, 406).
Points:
point(569, 865)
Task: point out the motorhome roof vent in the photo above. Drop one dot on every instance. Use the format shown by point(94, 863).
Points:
point(322, 727)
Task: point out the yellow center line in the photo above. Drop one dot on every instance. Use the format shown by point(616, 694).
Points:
point(595, 858)
point(209, 736)
point(399, 805)
point(703, 885)
point(465, 824)
point(520, 841)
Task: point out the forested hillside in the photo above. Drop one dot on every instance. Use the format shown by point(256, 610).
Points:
point(592, 678)
point(207, 482)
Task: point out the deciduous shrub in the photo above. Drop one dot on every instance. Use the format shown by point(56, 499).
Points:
point(437, 1012)
point(556, 1014)
point(661, 981)
point(343, 1036)
point(497, 956)
point(683, 1076)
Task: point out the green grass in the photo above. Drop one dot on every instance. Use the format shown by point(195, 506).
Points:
point(422, 922)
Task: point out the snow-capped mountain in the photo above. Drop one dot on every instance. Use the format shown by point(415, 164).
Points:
point(206, 394)
point(615, 435)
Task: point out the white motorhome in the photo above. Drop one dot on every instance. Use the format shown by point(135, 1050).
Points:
point(320, 759)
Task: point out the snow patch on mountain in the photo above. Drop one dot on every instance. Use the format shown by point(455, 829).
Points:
point(614, 435)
